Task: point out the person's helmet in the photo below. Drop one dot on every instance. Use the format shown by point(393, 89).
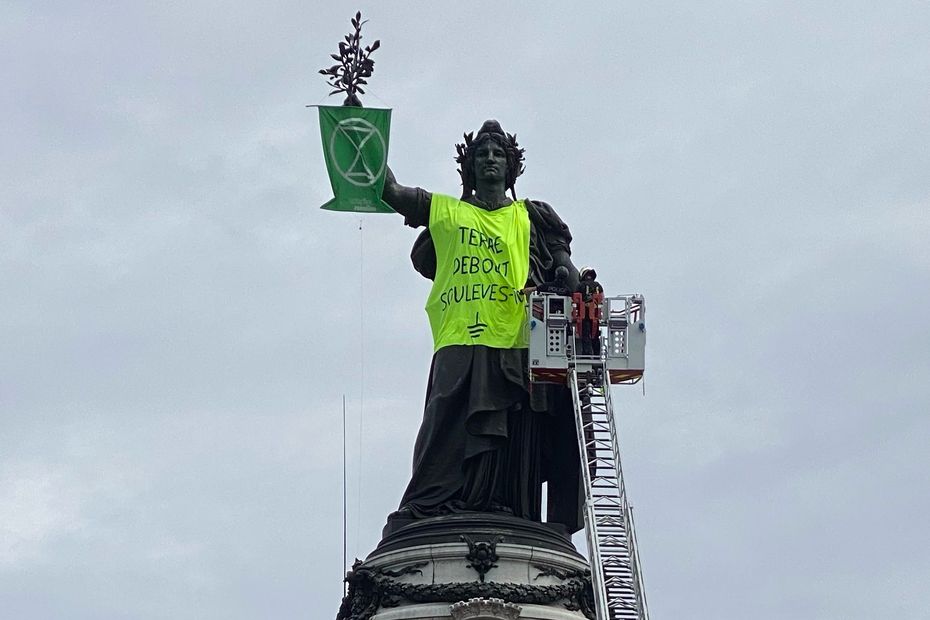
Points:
point(561, 273)
point(587, 271)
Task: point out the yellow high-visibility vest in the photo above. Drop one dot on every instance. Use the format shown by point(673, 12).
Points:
point(482, 262)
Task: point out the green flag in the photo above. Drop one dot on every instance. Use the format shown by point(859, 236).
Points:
point(355, 143)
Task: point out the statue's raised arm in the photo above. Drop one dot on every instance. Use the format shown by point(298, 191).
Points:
point(411, 202)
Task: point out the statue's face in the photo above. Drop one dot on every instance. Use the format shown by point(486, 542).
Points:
point(490, 162)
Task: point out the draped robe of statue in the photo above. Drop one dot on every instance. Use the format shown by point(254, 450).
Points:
point(487, 440)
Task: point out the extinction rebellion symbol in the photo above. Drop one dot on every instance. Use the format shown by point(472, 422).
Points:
point(358, 150)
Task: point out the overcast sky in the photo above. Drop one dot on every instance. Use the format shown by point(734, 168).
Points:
point(179, 321)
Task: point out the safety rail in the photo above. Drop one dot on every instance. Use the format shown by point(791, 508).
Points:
point(555, 341)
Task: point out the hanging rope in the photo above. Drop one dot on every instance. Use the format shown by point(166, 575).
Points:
point(361, 365)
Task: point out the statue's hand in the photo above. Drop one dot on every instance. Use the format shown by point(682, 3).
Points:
point(353, 101)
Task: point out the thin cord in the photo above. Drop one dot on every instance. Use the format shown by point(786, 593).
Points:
point(361, 412)
point(318, 104)
point(375, 95)
point(345, 559)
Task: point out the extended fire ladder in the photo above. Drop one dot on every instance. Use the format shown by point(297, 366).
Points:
point(615, 566)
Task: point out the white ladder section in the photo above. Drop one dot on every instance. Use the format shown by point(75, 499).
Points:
point(615, 571)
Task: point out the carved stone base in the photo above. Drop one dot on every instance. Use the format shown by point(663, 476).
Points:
point(420, 571)
point(485, 609)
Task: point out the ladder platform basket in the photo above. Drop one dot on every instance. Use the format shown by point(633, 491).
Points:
point(556, 326)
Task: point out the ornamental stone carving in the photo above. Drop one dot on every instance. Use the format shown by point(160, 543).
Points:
point(485, 609)
point(482, 555)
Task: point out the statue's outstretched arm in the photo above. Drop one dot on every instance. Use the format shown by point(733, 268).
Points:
point(411, 202)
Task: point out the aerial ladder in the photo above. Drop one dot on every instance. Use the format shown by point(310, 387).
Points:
point(619, 327)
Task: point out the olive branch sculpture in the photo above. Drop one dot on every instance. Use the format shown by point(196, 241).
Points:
point(353, 66)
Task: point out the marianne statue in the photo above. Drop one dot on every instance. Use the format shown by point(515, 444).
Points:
point(488, 439)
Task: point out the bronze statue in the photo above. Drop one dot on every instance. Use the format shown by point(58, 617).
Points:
point(488, 441)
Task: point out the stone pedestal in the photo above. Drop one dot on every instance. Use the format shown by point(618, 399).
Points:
point(473, 566)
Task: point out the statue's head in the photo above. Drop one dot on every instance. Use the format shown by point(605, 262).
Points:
point(491, 130)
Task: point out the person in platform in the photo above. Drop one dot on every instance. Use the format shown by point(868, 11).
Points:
point(559, 286)
point(487, 441)
point(590, 290)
